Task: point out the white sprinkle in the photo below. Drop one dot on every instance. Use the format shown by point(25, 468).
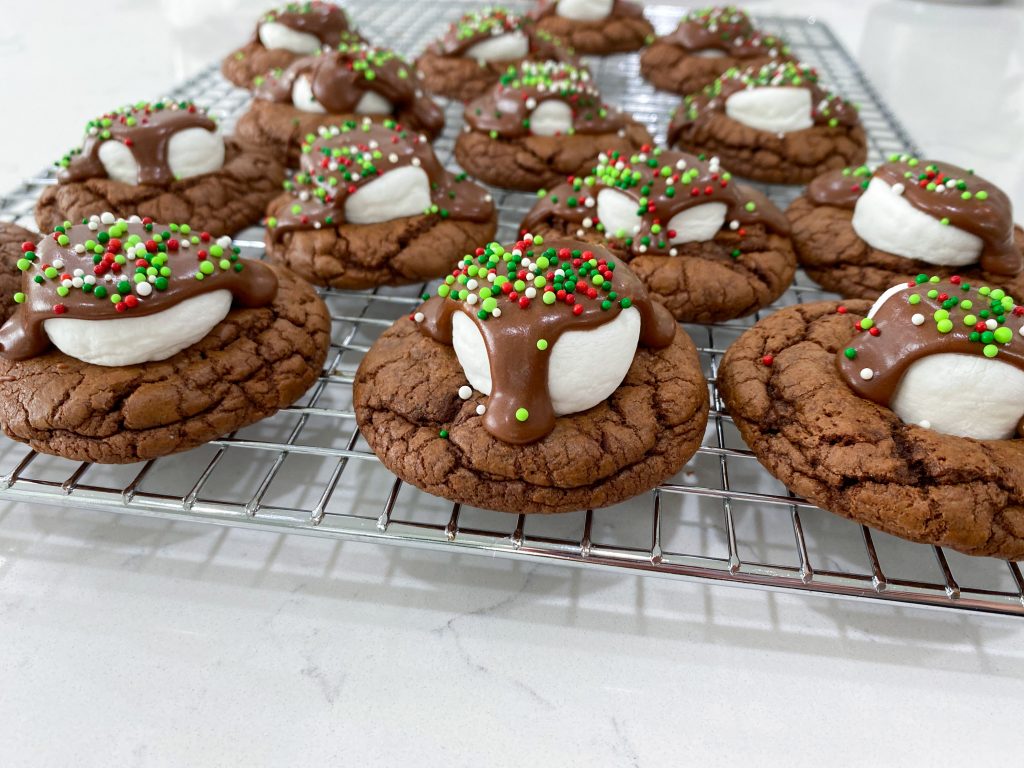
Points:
point(673, 252)
point(58, 263)
point(642, 249)
point(472, 298)
point(465, 392)
point(488, 198)
point(867, 374)
point(416, 162)
point(107, 217)
point(734, 224)
point(588, 223)
point(531, 103)
point(481, 410)
point(393, 158)
point(991, 324)
point(581, 232)
point(531, 292)
point(143, 289)
point(917, 319)
point(93, 226)
point(224, 242)
point(496, 312)
point(79, 248)
point(77, 282)
point(134, 219)
point(472, 285)
point(680, 164)
point(418, 317)
point(926, 424)
point(898, 189)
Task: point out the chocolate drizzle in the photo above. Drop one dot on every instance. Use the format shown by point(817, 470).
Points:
point(327, 22)
point(505, 110)
point(88, 273)
point(346, 157)
point(513, 325)
point(928, 317)
point(946, 192)
point(663, 183)
point(620, 9)
point(478, 26)
point(727, 29)
point(827, 109)
point(146, 129)
point(340, 78)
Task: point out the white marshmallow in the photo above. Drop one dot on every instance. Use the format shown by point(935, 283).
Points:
point(302, 96)
point(585, 10)
point(711, 53)
point(131, 340)
point(275, 35)
point(398, 193)
point(576, 379)
point(506, 47)
point(962, 395)
point(776, 110)
point(886, 221)
point(550, 118)
point(698, 224)
point(190, 152)
point(372, 103)
point(617, 212)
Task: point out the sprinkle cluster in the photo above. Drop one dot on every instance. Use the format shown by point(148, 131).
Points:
point(931, 178)
point(301, 8)
point(138, 114)
point(493, 277)
point(357, 56)
point(985, 313)
point(493, 20)
point(733, 26)
point(126, 268)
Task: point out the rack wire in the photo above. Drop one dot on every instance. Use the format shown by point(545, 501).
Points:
point(723, 519)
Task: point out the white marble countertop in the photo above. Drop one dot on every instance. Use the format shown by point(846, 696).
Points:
point(130, 641)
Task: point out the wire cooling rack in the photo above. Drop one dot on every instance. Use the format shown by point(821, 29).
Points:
point(723, 519)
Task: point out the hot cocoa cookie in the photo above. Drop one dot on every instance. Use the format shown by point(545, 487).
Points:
point(286, 33)
point(541, 123)
point(330, 87)
point(706, 44)
point(773, 123)
point(903, 418)
point(859, 231)
point(482, 397)
point(166, 160)
point(478, 48)
point(14, 241)
point(372, 205)
point(596, 26)
point(705, 247)
point(133, 340)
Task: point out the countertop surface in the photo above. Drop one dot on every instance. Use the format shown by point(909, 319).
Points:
point(134, 641)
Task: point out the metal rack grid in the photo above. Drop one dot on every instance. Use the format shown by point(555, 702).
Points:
point(723, 519)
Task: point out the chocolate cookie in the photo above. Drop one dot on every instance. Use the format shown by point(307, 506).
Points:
point(307, 26)
point(12, 238)
point(856, 458)
point(624, 29)
point(253, 364)
point(510, 451)
point(833, 138)
point(310, 231)
point(734, 266)
point(706, 44)
point(452, 67)
point(837, 258)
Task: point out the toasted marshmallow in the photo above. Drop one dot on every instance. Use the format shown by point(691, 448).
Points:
point(777, 110)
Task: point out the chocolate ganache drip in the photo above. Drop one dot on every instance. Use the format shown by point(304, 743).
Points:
point(826, 107)
point(325, 21)
point(953, 195)
point(620, 8)
point(663, 183)
point(574, 287)
point(505, 110)
point(340, 78)
point(925, 317)
point(145, 129)
point(477, 26)
point(107, 268)
point(727, 29)
point(347, 157)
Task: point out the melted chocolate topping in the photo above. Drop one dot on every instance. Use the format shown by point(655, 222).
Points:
point(345, 158)
point(478, 26)
point(620, 8)
point(663, 183)
point(103, 270)
point(146, 129)
point(325, 21)
point(340, 78)
point(928, 317)
point(946, 192)
point(519, 333)
point(726, 29)
point(826, 108)
point(505, 110)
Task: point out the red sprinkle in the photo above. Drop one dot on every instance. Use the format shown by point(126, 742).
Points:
point(578, 309)
point(874, 331)
point(841, 309)
point(59, 309)
point(768, 359)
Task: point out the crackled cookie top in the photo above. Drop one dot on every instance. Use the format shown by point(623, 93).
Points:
point(543, 98)
point(777, 97)
point(338, 82)
point(325, 21)
point(106, 268)
point(152, 143)
point(520, 319)
point(727, 29)
point(341, 165)
point(955, 197)
point(965, 328)
point(653, 200)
